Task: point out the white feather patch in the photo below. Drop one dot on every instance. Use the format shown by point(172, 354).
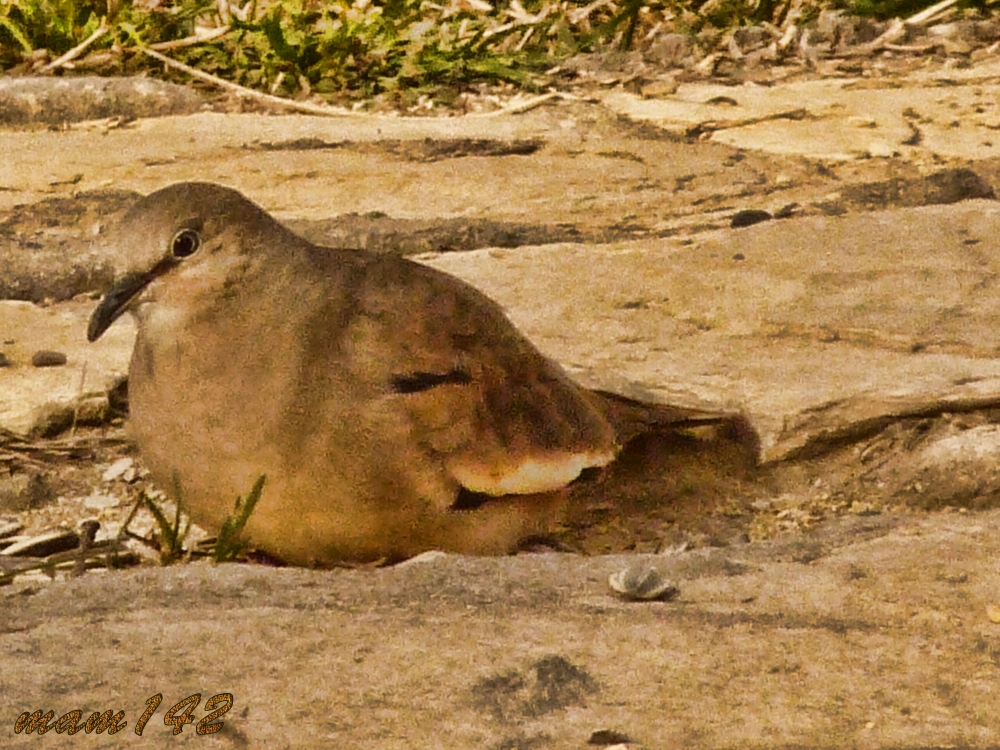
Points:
point(530, 476)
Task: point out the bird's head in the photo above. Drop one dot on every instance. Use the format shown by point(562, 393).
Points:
point(190, 237)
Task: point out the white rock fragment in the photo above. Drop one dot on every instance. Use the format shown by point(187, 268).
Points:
point(641, 583)
point(118, 469)
point(97, 501)
point(430, 556)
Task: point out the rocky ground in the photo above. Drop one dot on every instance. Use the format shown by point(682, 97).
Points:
point(814, 256)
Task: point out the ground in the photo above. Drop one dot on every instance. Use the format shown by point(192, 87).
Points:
point(832, 541)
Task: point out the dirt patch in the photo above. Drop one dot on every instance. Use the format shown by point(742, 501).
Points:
point(384, 234)
point(947, 186)
point(550, 684)
point(419, 151)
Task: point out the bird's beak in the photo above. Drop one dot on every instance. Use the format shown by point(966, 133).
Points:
point(116, 301)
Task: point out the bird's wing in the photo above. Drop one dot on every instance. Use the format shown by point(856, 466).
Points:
point(502, 418)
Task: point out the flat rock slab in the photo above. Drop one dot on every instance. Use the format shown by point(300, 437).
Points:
point(881, 639)
point(836, 118)
point(810, 325)
point(294, 158)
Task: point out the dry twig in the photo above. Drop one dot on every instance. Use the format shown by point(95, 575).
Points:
point(188, 41)
point(74, 53)
point(897, 28)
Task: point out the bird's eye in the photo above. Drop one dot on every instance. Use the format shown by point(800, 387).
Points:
point(185, 243)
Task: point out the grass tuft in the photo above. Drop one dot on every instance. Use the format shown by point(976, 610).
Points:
point(172, 534)
point(228, 545)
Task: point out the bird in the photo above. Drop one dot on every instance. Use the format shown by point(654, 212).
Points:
point(392, 408)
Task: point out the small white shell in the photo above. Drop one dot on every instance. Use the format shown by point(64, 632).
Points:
point(641, 583)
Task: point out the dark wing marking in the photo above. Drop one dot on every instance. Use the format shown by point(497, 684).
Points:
point(424, 381)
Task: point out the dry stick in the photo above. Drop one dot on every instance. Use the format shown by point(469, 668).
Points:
point(653, 31)
point(575, 16)
point(518, 107)
point(498, 30)
point(930, 13)
point(312, 109)
point(67, 560)
point(524, 39)
point(88, 531)
point(74, 53)
point(223, 6)
point(917, 48)
point(710, 126)
point(189, 40)
point(897, 28)
point(79, 398)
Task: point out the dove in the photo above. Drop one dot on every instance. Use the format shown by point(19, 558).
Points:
point(393, 408)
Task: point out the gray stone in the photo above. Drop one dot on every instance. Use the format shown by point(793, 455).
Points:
point(55, 101)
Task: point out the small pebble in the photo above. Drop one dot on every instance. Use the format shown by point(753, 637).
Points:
point(608, 738)
point(749, 217)
point(46, 358)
